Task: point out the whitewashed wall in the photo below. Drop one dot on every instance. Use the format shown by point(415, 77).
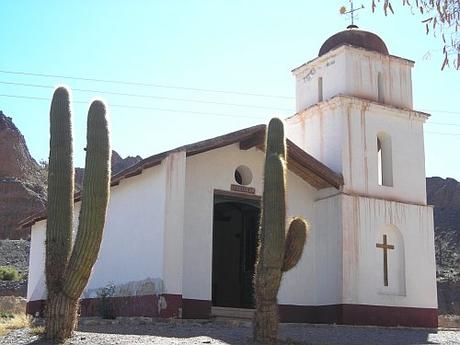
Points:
point(354, 71)
point(331, 68)
point(172, 275)
point(342, 133)
point(363, 220)
point(328, 241)
point(132, 245)
point(319, 132)
point(298, 285)
point(146, 236)
point(36, 284)
point(144, 216)
point(202, 178)
point(206, 172)
point(360, 163)
point(36, 288)
point(362, 68)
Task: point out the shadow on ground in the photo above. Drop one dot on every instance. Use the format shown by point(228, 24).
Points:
point(290, 333)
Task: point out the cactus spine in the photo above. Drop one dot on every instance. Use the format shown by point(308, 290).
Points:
point(67, 269)
point(277, 253)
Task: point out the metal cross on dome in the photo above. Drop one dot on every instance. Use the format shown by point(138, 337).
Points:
point(351, 12)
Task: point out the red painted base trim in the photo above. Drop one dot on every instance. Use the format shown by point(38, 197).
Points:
point(309, 314)
point(36, 307)
point(357, 314)
point(196, 309)
point(348, 314)
point(146, 305)
point(389, 316)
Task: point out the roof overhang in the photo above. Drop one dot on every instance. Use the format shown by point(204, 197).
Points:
point(346, 47)
point(298, 161)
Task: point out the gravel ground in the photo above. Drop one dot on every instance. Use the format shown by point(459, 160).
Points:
point(237, 333)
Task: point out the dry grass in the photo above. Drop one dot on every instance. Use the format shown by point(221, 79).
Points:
point(17, 321)
point(38, 330)
point(449, 321)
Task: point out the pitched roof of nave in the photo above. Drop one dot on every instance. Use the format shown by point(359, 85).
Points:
point(298, 161)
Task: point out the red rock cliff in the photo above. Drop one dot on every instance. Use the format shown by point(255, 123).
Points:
point(22, 189)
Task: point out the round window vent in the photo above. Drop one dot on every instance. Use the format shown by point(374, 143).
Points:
point(243, 175)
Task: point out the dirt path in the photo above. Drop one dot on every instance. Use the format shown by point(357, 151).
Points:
point(148, 332)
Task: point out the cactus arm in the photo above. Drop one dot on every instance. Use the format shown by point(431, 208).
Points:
point(94, 202)
point(60, 190)
point(294, 243)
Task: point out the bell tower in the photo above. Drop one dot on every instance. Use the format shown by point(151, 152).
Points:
point(355, 114)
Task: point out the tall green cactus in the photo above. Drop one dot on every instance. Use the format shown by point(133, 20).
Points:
point(67, 269)
point(277, 252)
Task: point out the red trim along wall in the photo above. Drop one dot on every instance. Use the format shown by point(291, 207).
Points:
point(359, 314)
point(196, 309)
point(146, 305)
point(348, 314)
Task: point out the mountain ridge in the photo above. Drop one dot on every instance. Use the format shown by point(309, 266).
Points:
point(23, 181)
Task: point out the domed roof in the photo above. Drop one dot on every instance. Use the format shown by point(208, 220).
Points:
point(354, 37)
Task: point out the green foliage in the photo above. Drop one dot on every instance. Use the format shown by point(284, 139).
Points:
point(442, 19)
point(276, 253)
point(9, 273)
point(6, 315)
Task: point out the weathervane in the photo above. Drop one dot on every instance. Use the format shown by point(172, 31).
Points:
point(351, 12)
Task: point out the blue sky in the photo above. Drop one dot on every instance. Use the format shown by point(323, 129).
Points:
point(234, 46)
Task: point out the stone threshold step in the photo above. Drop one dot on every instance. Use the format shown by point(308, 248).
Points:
point(237, 313)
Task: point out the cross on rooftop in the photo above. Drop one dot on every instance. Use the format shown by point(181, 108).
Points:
point(351, 12)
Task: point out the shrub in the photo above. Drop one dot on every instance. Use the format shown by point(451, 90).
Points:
point(106, 305)
point(8, 273)
point(6, 315)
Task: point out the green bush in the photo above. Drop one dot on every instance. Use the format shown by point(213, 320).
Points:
point(106, 305)
point(8, 273)
point(6, 315)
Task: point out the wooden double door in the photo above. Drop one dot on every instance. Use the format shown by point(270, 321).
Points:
point(234, 247)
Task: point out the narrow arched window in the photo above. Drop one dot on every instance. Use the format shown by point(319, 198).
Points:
point(320, 89)
point(384, 160)
point(381, 99)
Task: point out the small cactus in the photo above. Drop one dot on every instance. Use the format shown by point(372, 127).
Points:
point(277, 253)
point(68, 271)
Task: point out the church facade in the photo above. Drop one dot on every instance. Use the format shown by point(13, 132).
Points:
point(181, 231)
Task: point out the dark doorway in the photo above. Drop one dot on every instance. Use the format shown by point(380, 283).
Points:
point(234, 248)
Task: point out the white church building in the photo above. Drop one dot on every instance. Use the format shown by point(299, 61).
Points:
point(181, 230)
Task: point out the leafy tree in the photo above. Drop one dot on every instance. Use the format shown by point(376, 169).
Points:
point(442, 19)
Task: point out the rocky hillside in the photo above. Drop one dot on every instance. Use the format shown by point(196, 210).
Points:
point(15, 253)
point(118, 164)
point(23, 180)
point(444, 194)
point(22, 187)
